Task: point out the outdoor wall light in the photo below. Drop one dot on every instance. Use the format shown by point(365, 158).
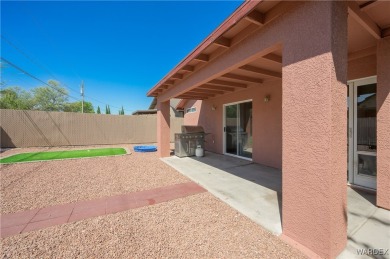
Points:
point(267, 98)
point(213, 108)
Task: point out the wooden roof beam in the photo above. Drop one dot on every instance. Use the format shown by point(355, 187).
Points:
point(188, 68)
point(280, 9)
point(223, 42)
point(364, 20)
point(177, 76)
point(191, 95)
point(385, 32)
point(273, 57)
point(255, 17)
point(158, 91)
point(261, 71)
point(205, 91)
point(243, 78)
point(197, 94)
point(202, 57)
point(368, 5)
point(227, 83)
point(170, 82)
point(248, 30)
point(217, 87)
point(191, 98)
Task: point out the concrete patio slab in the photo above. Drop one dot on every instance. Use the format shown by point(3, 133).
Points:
point(252, 189)
point(256, 191)
point(368, 227)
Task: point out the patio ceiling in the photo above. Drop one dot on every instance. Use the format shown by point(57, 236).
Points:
point(368, 21)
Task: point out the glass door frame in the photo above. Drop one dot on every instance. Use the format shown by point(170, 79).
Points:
point(354, 178)
point(237, 135)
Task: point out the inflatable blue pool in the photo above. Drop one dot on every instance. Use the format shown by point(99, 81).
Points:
point(145, 148)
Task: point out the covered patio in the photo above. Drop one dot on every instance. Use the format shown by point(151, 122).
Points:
point(277, 83)
point(256, 191)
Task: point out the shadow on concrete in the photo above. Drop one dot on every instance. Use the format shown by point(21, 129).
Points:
point(369, 196)
point(264, 176)
point(368, 226)
point(377, 220)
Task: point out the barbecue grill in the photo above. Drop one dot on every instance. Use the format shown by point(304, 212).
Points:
point(187, 141)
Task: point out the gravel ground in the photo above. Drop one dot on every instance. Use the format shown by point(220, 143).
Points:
point(198, 226)
point(39, 184)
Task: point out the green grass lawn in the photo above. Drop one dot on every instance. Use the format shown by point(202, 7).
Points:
point(39, 156)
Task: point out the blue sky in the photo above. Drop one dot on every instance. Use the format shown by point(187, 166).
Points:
point(120, 49)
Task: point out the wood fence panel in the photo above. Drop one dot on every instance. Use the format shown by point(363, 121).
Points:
point(38, 128)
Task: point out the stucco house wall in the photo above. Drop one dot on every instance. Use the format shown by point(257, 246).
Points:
point(267, 116)
point(307, 111)
point(267, 121)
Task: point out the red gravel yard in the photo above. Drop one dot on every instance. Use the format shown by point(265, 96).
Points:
point(131, 206)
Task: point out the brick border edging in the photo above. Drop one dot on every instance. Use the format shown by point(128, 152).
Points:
point(35, 219)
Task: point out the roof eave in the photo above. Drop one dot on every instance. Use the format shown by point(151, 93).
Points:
point(235, 17)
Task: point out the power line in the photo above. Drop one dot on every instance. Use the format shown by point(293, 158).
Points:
point(35, 62)
point(54, 47)
point(51, 74)
point(46, 35)
point(43, 82)
point(34, 77)
point(27, 56)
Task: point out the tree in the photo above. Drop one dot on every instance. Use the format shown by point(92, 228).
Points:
point(108, 109)
point(50, 98)
point(98, 110)
point(15, 98)
point(76, 107)
point(122, 111)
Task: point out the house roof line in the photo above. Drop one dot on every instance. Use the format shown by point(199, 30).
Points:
point(235, 17)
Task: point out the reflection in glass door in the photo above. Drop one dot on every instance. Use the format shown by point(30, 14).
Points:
point(362, 124)
point(231, 124)
point(238, 129)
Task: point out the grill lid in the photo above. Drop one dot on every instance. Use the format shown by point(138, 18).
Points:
point(192, 129)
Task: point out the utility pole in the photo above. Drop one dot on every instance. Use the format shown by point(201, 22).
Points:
point(82, 95)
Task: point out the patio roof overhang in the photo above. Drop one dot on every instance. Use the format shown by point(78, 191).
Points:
point(367, 22)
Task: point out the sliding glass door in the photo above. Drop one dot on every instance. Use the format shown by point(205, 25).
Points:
point(238, 129)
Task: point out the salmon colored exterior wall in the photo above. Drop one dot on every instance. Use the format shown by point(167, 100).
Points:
point(163, 129)
point(192, 118)
point(383, 124)
point(267, 121)
point(314, 112)
point(267, 117)
point(303, 128)
point(315, 130)
point(362, 67)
